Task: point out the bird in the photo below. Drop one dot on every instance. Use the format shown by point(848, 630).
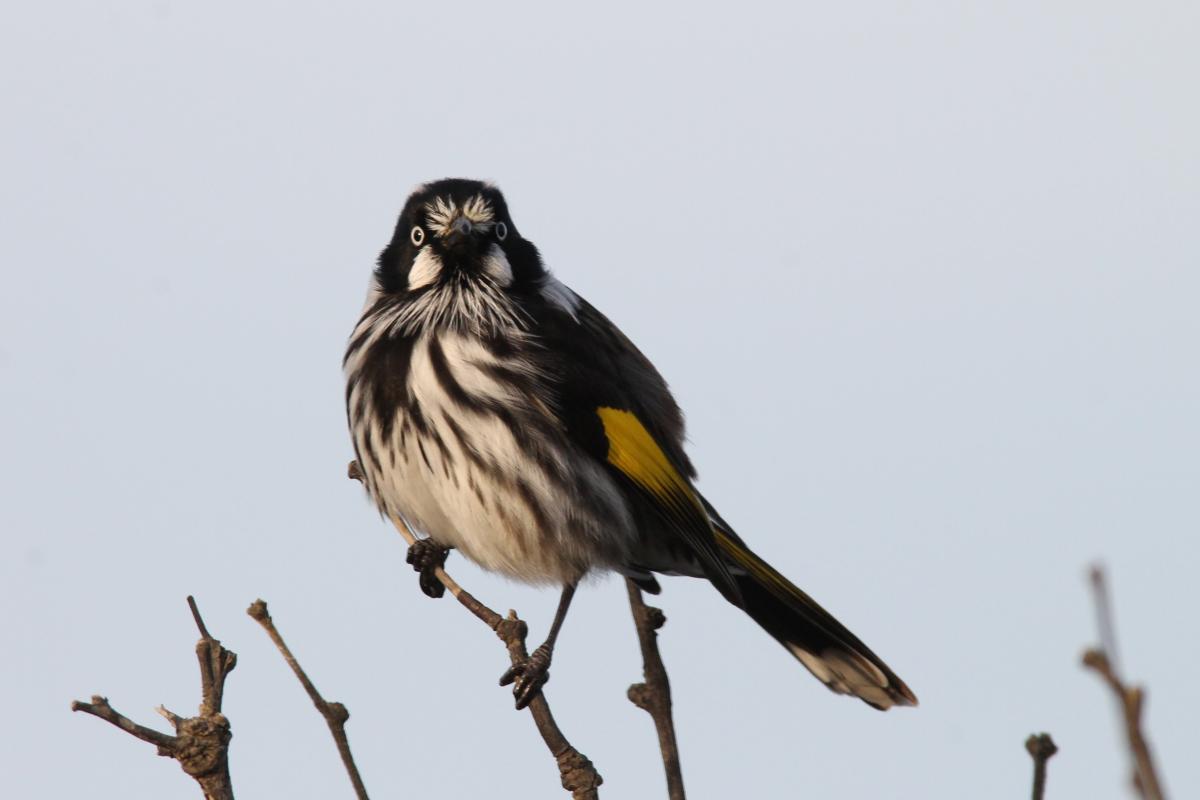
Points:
point(500, 414)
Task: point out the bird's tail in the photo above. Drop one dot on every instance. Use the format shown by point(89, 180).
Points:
point(832, 653)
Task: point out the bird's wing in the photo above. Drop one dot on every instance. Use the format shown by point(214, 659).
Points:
point(617, 407)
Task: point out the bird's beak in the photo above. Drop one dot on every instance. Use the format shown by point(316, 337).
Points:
point(460, 231)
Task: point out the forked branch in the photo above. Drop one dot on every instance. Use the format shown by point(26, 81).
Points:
point(200, 743)
point(1131, 699)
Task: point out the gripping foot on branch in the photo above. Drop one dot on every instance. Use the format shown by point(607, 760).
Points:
point(426, 556)
point(529, 677)
point(531, 674)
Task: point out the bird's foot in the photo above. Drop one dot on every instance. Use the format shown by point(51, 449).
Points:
point(426, 556)
point(529, 676)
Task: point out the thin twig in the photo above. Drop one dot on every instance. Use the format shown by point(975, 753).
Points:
point(1040, 747)
point(1131, 699)
point(335, 714)
point(200, 743)
point(1102, 601)
point(577, 773)
point(654, 695)
point(99, 707)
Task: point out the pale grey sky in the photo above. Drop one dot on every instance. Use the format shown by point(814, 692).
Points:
point(923, 275)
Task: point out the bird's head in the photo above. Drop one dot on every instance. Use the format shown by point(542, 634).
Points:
point(455, 230)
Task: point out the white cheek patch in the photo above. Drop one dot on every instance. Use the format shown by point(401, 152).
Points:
point(496, 266)
point(426, 269)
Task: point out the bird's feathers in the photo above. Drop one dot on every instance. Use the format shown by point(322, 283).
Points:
point(634, 453)
point(828, 649)
point(503, 414)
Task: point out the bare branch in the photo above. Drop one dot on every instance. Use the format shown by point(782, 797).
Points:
point(654, 695)
point(1040, 747)
point(1103, 661)
point(578, 774)
point(200, 743)
point(1102, 601)
point(99, 707)
point(335, 714)
point(215, 664)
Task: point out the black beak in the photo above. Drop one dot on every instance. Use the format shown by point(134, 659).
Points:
point(460, 232)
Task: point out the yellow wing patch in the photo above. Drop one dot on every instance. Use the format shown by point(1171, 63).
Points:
point(633, 450)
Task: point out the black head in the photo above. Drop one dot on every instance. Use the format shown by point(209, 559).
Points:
point(456, 229)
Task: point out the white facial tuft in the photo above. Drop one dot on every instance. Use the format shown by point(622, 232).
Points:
point(441, 212)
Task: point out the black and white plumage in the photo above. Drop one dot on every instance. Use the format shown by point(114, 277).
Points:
point(502, 415)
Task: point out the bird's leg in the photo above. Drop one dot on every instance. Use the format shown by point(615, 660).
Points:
point(426, 555)
point(533, 673)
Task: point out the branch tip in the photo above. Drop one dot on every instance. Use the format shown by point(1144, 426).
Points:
point(169, 716)
point(258, 610)
point(191, 601)
point(1040, 747)
point(1130, 699)
point(335, 714)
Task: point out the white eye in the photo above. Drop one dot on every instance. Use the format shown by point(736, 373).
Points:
point(501, 231)
point(417, 235)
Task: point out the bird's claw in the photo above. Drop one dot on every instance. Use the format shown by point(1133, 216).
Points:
point(425, 557)
point(529, 676)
